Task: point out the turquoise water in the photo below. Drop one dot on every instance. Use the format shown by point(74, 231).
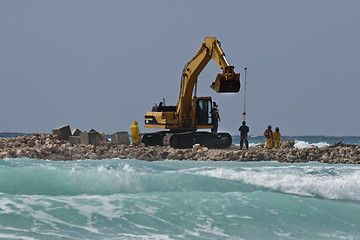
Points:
point(132, 199)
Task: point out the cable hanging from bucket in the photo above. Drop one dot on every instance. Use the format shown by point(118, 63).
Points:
point(244, 113)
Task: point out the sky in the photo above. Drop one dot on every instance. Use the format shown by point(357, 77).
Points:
point(103, 64)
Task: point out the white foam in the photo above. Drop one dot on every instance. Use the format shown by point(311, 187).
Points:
point(303, 144)
point(102, 179)
point(150, 236)
point(305, 181)
point(14, 236)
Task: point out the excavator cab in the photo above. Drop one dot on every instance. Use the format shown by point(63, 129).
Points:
point(227, 82)
point(203, 111)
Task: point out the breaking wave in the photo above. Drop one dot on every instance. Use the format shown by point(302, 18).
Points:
point(304, 144)
point(132, 199)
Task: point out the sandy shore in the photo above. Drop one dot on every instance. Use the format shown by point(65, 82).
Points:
point(42, 146)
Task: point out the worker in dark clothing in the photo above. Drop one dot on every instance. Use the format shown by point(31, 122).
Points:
point(243, 135)
point(215, 118)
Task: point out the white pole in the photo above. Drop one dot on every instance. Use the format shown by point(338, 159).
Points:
point(244, 113)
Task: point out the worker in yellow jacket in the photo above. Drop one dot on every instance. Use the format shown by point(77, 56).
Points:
point(135, 133)
point(268, 137)
point(276, 137)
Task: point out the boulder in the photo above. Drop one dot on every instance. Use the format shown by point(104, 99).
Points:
point(287, 144)
point(120, 138)
point(196, 146)
point(62, 132)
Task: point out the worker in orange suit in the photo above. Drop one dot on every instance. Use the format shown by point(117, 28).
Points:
point(135, 133)
point(276, 137)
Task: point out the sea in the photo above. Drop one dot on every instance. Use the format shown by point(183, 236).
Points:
point(134, 199)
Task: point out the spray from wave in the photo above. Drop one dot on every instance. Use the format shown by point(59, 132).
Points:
point(303, 144)
point(327, 182)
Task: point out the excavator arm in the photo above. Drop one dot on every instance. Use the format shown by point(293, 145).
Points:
point(227, 81)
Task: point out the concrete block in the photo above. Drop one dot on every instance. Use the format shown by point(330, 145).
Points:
point(103, 137)
point(91, 137)
point(120, 138)
point(63, 132)
point(76, 132)
point(74, 140)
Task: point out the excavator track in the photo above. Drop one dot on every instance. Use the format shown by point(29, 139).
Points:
point(188, 139)
point(154, 139)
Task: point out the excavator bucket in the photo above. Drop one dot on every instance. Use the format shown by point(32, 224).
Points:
point(227, 82)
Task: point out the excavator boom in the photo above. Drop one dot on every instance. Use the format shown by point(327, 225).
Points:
point(227, 81)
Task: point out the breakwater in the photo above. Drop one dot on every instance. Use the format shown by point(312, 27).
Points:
point(41, 146)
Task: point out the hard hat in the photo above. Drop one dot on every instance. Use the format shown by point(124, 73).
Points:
point(269, 127)
point(243, 122)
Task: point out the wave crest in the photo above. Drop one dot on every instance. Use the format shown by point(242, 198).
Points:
point(305, 181)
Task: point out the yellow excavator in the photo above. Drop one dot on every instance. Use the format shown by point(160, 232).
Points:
point(191, 112)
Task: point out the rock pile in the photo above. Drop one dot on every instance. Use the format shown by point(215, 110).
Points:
point(51, 147)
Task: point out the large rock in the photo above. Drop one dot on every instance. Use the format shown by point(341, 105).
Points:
point(90, 137)
point(287, 144)
point(62, 132)
point(120, 138)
